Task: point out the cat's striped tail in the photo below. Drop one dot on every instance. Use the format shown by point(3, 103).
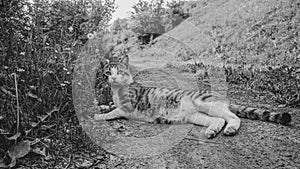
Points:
point(260, 114)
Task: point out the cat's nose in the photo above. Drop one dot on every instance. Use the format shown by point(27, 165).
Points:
point(113, 78)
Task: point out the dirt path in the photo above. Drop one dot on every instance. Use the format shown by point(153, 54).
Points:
point(257, 145)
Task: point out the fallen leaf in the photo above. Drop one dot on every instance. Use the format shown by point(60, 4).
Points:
point(19, 150)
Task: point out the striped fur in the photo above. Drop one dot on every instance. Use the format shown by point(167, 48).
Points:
point(172, 105)
point(260, 114)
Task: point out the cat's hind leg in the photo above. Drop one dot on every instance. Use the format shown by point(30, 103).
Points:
point(221, 110)
point(214, 124)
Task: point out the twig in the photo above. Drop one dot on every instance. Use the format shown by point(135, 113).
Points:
point(18, 105)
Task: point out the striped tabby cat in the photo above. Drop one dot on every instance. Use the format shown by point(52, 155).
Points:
point(171, 105)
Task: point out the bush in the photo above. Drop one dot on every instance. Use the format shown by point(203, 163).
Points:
point(39, 43)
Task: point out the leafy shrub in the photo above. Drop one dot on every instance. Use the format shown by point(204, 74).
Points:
point(39, 43)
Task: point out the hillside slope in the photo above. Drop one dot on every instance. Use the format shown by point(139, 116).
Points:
point(259, 31)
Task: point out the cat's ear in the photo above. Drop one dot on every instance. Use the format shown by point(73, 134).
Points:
point(125, 60)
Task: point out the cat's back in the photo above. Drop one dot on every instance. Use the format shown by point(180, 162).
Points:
point(160, 104)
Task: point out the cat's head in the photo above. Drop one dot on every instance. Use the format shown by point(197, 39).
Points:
point(118, 72)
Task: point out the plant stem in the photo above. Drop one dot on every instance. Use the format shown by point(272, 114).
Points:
point(18, 105)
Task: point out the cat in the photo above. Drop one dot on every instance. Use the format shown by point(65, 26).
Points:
point(172, 105)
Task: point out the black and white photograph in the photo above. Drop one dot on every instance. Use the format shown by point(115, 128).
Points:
point(150, 84)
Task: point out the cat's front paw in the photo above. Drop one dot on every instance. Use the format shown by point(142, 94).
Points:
point(99, 117)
